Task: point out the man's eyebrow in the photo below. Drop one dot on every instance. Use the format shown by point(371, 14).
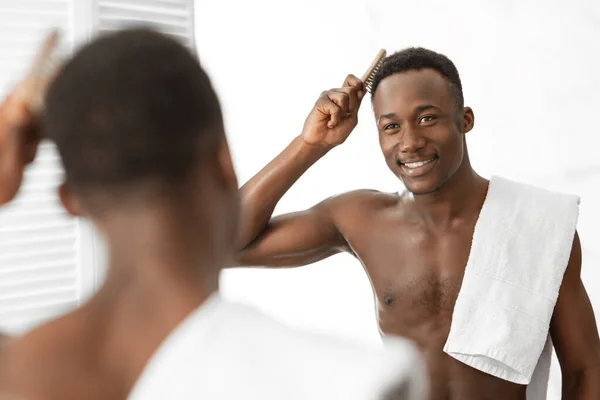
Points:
point(424, 107)
point(416, 110)
point(387, 116)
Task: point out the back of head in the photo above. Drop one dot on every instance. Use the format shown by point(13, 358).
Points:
point(129, 109)
point(418, 58)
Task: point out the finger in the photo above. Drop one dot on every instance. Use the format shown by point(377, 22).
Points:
point(327, 107)
point(354, 82)
point(19, 129)
point(357, 84)
point(15, 109)
point(353, 100)
point(360, 94)
point(11, 123)
point(341, 98)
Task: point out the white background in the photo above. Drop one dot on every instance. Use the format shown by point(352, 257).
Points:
point(529, 70)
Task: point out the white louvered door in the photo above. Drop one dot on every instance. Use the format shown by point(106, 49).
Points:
point(174, 17)
point(49, 262)
point(43, 268)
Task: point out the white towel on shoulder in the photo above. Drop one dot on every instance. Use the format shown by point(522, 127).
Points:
point(521, 246)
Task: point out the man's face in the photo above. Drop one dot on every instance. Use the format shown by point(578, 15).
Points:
point(420, 128)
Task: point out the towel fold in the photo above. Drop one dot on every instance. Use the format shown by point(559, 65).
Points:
point(520, 250)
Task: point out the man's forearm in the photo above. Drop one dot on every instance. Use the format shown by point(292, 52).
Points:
point(260, 195)
point(582, 385)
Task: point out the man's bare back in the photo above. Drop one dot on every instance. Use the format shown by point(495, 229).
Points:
point(413, 246)
point(61, 360)
point(97, 351)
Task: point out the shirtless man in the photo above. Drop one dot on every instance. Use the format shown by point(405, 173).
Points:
point(122, 186)
point(140, 133)
point(413, 245)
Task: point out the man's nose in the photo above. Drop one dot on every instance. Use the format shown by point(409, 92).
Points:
point(411, 141)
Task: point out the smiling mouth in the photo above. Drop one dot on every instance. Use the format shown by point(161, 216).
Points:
point(417, 164)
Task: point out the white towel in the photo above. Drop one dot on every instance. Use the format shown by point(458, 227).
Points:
point(520, 250)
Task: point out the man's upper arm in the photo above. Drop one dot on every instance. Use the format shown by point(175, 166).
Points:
point(298, 238)
point(573, 327)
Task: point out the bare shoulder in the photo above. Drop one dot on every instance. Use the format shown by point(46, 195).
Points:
point(49, 361)
point(361, 201)
point(4, 340)
point(26, 359)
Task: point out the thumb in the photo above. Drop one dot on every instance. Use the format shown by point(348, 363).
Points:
point(361, 93)
point(15, 108)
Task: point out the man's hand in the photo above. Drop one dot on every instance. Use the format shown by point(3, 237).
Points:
point(19, 139)
point(334, 115)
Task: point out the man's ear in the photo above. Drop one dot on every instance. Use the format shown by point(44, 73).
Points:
point(69, 200)
point(468, 120)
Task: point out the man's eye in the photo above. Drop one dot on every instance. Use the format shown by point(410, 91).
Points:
point(390, 126)
point(427, 118)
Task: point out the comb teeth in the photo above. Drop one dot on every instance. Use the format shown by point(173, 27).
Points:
point(370, 80)
point(375, 66)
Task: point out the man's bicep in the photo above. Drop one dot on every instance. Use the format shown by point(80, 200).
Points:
point(573, 327)
point(294, 239)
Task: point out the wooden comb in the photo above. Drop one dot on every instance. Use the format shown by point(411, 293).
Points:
point(368, 76)
point(44, 67)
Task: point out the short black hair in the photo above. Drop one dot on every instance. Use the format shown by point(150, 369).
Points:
point(417, 58)
point(131, 107)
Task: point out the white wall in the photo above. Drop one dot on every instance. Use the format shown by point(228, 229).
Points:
point(529, 71)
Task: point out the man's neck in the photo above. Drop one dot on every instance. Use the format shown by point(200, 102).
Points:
point(157, 275)
point(460, 198)
point(139, 313)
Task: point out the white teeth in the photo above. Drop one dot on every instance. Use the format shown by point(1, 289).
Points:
point(418, 163)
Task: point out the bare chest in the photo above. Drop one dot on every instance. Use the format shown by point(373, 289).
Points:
point(416, 272)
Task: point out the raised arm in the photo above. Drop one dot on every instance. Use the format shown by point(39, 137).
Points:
point(575, 335)
point(296, 239)
point(308, 236)
point(19, 138)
